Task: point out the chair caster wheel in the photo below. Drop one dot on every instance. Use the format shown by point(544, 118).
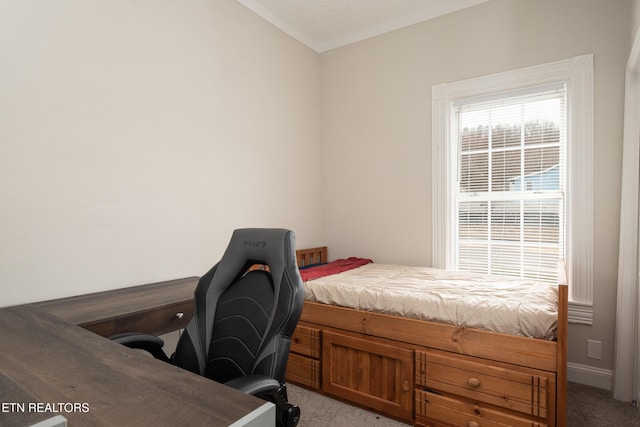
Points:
point(293, 416)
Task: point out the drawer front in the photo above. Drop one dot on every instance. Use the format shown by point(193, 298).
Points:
point(520, 389)
point(157, 321)
point(435, 410)
point(306, 341)
point(303, 370)
point(374, 374)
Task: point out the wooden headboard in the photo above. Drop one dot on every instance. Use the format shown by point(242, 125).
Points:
point(303, 257)
point(311, 256)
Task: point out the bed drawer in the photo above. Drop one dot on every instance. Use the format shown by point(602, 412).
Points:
point(373, 373)
point(306, 341)
point(303, 370)
point(436, 410)
point(520, 389)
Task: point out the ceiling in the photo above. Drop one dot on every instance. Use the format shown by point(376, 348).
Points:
point(327, 24)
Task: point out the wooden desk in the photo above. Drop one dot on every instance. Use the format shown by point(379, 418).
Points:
point(153, 309)
point(45, 359)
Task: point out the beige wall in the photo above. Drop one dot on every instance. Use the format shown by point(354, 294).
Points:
point(635, 18)
point(376, 112)
point(135, 136)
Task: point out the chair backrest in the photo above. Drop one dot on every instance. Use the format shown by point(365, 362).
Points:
point(243, 321)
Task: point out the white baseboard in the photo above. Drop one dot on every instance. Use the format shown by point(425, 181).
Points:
point(589, 375)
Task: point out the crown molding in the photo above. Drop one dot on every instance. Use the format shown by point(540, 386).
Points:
point(435, 9)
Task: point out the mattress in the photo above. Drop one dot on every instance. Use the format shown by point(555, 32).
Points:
point(493, 303)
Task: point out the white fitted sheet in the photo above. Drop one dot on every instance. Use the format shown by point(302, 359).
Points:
point(498, 304)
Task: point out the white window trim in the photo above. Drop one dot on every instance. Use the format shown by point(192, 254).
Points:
point(577, 74)
point(626, 374)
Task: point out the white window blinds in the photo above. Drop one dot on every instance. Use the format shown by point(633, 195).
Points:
point(508, 175)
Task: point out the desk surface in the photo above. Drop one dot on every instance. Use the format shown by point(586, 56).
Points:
point(48, 360)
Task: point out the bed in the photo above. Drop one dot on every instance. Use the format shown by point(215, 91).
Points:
point(475, 363)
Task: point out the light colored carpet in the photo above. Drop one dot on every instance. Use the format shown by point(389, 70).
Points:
point(321, 411)
point(587, 407)
point(594, 407)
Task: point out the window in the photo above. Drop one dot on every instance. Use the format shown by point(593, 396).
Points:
point(512, 175)
point(508, 184)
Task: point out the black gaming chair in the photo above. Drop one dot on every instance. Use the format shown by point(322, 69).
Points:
point(241, 328)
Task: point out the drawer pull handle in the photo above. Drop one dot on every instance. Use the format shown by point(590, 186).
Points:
point(179, 315)
point(473, 382)
point(473, 424)
point(406, 386)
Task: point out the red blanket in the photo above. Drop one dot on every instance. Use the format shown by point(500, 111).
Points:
point(334, 267)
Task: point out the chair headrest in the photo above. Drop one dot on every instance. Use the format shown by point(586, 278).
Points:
point(274, 247)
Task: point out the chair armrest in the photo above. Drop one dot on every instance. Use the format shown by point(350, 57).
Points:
point(254, 384)
point(149, 343)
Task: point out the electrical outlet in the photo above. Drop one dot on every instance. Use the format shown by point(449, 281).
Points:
point(594, 349)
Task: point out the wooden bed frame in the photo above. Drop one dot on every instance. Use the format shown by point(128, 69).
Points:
point(430, 374)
